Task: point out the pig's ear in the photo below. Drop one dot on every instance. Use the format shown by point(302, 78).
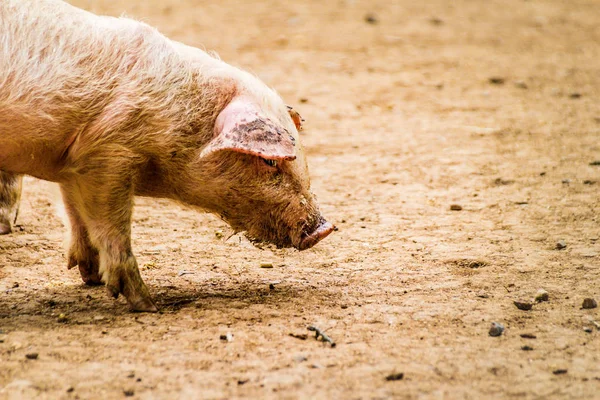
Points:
point(242, 128)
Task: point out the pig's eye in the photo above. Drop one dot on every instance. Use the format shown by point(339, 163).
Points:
point(270, 163)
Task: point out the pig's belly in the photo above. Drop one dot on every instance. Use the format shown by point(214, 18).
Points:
point(38, 157)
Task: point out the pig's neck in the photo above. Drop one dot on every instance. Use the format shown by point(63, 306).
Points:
point(170, 150)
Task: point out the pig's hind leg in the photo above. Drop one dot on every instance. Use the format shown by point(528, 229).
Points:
point(10, 193)
point(81, 251)
point(104, 201)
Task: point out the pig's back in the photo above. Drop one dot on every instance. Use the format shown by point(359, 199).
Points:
point(58, 54)
point(60, 67)
point(39, 47)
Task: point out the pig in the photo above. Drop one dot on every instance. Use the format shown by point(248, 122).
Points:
point(110, 109)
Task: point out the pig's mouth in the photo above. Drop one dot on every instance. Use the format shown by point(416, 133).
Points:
point(322, 230)
point(271, 231)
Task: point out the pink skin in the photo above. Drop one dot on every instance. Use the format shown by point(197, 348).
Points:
point(241, 127)
point(321, 232)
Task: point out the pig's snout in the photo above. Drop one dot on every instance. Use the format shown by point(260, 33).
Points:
point(322, 230)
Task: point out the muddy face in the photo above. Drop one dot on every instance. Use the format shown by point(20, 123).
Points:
point(254, 175)
point(266, 199)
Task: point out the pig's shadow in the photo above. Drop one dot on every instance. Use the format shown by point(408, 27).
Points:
point(240, 296)
point(82, 303)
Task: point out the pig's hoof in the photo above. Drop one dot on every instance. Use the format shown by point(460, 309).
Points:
point(137, 303)
point(5, 228)
point(92, 279)
point(127, 281)
point(88, 269)
point(143, 305)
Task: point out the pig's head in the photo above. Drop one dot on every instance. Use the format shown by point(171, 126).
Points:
point(256, 178)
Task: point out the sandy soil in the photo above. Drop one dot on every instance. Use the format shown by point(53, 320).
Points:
point(403, 120)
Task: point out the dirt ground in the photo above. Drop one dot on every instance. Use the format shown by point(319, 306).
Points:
point(411, 107)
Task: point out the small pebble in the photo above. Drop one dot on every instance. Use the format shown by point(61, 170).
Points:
point(242, 381)
point(496, 329)
point(62, 318)
point(528, 336)
point(226, 338)
point(300, 358)
point(271, 286)
point(436, 21)
point(575, 95)
point(589, 182)
point(521, 305)
point(559, 371)
point(496, 80)
point(456, 207)
point(301, 336)
point(561, 244)
point(70, 389)
point(219, 234)
point(395, 377)
point(589, 303)
point(31, 356)
point(128, 392)
point(541, 295)
point(526, 348)
point(566, 181)
point(595, 163)
point(503, 182)
point(266, 265)
point(587, 329)
point(520, 85)
point(303, 100)
point(371, 19)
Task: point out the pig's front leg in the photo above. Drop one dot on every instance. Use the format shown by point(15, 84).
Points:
point(104, 201)
point(81, 251)
point(10, 193)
